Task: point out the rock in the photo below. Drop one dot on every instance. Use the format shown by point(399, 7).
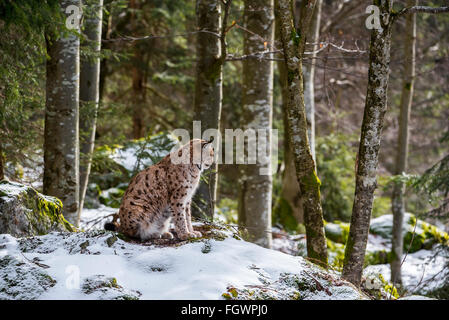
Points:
point(111, 240)
point(26, 212)
point(337, 231)
point(144, 270)
point(20, 279)
point(107, 288)
point(424, 236)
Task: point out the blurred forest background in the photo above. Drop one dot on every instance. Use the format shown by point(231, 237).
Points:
point(147, 87)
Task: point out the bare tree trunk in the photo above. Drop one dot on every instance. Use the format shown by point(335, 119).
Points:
point(373, 119)
point(293, 47)
point(398, 203)
point(256, 186)
point(138, 89)
point(61, 138)
point(2, 165)
point(309, 72)
point(89, 97)
point(208, 91)
point(290, 187)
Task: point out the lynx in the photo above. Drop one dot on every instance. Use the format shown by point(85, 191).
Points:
point(163, 193)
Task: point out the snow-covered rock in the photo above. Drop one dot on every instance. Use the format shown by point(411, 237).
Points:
point(100, 265)
point(417, 233)
point(24, 211)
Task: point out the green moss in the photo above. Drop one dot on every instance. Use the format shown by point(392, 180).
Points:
point(295, 36)
point(44, 213)
point(283, 215)
point(377, 257)
point(337, 231)
point(310, 181)
point(227, 296)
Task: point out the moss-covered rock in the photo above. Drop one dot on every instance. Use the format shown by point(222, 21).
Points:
point(22, 280)
point(337, 231)
point(417, 233)
point(107, 288)
point(26, 212)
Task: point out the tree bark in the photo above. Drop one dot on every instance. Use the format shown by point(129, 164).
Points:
point(293, 43)
point(309, 71)
point(2, 165)
point(61, 137)
point(89, 96)
point(138, 79)
point(398, 203)
point(373, 119)
point(290, 187)
point(208, 92)
point(256, 186)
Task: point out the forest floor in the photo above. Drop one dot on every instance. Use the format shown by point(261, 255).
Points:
point(99, 265)
point(423, 271)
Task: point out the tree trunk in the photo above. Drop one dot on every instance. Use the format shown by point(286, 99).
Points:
point(398, 204)
point(290, 187)
point(309, 72)
point(208, 92)
point(256, 185)
point(89, 96)
point(138, 80)
point(2, 165)
point(61, 138)
point(373, 119)
point(293, 47)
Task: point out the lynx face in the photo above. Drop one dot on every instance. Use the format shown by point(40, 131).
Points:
point(207, 155)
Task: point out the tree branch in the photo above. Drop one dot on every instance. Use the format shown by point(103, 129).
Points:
point(422, 9)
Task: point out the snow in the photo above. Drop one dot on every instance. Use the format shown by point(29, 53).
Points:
point(197, 270)
point(422, 271)
point(95, 218)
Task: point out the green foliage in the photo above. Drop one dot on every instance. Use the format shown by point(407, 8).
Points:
point(227, 211)
point(283, 216)
point(335, 165)
point(337, 231)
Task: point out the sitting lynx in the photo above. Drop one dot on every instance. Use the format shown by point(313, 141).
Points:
point(163, 192)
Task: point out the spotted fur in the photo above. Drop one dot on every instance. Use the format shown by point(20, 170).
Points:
point(163, 193)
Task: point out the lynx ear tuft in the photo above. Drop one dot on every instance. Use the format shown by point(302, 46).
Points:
point(211, 139)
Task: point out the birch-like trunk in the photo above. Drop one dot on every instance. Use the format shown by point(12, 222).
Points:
point(256, 182)
point(89, 96)
point(373, 120)
point(208, 92)
point(398, 203)
point(293, 43)
point(61, 138)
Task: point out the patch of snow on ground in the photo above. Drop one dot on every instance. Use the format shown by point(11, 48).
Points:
point(95, 218)
point(75, 260)
point(422, 271)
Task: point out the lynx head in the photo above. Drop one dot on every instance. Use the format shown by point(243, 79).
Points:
point(196, 152)
point(203, 153)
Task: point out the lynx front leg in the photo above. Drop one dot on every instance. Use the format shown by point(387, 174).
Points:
point(179, 220)
point(189, 221)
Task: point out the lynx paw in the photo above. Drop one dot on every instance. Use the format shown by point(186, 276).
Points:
point(197, 234)
point(167, 235)
point(188, 235)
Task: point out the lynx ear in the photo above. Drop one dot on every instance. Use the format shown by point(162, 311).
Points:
point(208, 142)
